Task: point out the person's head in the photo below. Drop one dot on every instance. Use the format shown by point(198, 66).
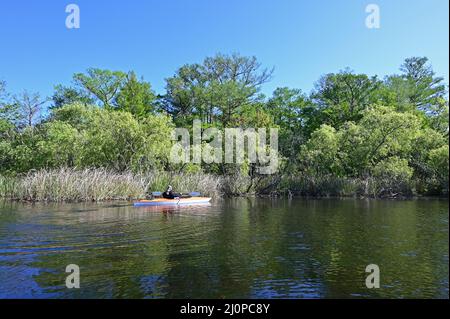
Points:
point(169, 188)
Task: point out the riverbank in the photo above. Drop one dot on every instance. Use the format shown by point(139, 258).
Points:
point(67, 184)
point(96, 184)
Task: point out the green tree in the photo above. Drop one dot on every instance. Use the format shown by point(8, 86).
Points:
point(22, 153)
point(424, 88)
point(214, 90)
point(320, 154)
point(9, 113)
point(439, 163)
point(136, 96)
point(344, 96)
point(58, 145)
point(64, 95)
point(104, 85)
point(296, 116)
point(117, 139)
point(380, 134)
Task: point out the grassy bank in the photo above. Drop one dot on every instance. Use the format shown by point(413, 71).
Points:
point(99, 185)
point(333, 186)
point(67, 184)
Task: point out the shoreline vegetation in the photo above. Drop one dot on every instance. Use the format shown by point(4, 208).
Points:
point(68, 184)
point(108, 134)
point(73, 185)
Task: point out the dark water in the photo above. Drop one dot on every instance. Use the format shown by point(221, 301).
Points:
point(235, 248)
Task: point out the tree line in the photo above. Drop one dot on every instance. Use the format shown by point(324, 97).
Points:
point(374, 136)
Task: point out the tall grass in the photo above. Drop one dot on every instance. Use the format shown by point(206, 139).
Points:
point(67, 184)
point(323, 186)
point(329, 185)
point(8, 186)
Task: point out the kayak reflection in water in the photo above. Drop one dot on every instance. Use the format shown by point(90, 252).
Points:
point(169, 194)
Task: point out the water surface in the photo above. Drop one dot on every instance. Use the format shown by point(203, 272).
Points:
point(239, 248)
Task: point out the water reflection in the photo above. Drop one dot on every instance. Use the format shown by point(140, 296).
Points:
point(230, 249)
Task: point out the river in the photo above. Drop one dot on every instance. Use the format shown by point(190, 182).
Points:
point(234, 248)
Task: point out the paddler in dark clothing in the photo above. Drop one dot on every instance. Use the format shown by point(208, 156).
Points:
point(169, 194)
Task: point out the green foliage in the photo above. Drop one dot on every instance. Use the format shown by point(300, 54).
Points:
point(381, 133)
point(8, 116)
point(439, 163)
point(353, 135)
point(423, 87)
point(87, 136)
point(393, 175)
point(215, 90)
point(68, 95)
point(296, 117)
point(111, 140)
point(344, 96)
point(426, 140)
point(114, 90)
point(320, 152)
point(9, 111)
point(104, 85)
point(119, 141)
point(136, 97)
point(58, 145)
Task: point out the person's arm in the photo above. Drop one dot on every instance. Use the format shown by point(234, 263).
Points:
point(171, 195)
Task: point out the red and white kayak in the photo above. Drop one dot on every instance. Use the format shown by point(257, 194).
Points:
point(179, 201)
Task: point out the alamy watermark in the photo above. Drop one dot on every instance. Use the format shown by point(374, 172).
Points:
point(73, 19)
point(373, 279)
point(208, 146)
point(73, 280)
point(373, 19)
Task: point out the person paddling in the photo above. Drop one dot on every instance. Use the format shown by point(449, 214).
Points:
point(169, 194)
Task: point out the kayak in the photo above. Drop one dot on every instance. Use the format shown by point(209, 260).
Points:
point(180, 201)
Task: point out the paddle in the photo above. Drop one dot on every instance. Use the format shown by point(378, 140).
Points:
point(194, 193)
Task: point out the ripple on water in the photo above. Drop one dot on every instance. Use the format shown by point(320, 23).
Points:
point(236, 248)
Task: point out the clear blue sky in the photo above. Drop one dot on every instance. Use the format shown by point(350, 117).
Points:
point(301, 39)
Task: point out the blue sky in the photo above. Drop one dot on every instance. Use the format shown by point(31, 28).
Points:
point(301, 39)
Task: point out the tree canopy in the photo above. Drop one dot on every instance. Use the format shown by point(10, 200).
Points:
point(353, 126)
